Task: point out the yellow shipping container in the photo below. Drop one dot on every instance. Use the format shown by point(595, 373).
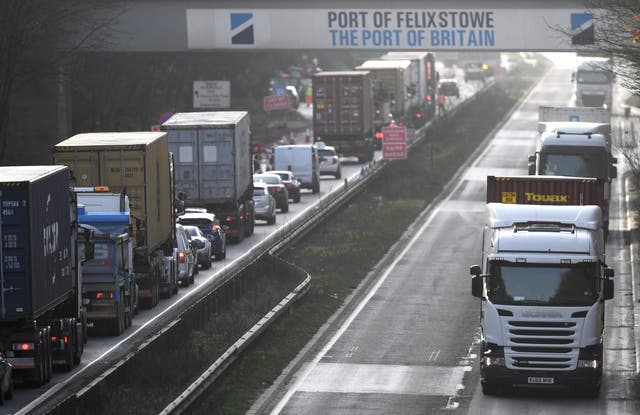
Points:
point(139, 163)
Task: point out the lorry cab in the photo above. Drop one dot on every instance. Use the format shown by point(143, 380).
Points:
point(574, 149)
point(593, 83)
point(302, 160)
point(543, 282)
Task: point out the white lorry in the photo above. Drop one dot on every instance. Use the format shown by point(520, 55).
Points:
point(593, 83)
point(575, 141)
point(543, 284)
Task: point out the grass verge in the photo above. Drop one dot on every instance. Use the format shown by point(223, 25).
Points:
point(340, 253)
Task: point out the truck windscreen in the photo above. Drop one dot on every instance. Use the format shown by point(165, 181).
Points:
point(593, 77)
point(572, 285)
point(580, 164)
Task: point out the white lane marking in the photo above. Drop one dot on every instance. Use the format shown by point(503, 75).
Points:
point(436, 209)
point(386, 379)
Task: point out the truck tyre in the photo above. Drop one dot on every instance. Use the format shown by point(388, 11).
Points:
point(285, 208)
point(240, 236)
point(591, 391)
point(207, 265)
point(490, 388)
point(117, 325)
point(296, 198)
point(48, 355)
point(339, 174)
point(271, 220)
point(9, 393)
point(316, 185)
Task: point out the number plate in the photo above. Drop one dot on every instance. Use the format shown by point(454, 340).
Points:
point(544, 381)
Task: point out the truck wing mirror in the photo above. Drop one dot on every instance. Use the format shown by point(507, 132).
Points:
point(609, 273)
point(532, 164)
point(476, 286)
point(607, 289)
point(613, 172)
point(614, 160)
point(476, 280)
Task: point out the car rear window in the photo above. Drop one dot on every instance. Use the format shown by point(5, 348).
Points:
point(195, 222)
point(325, 153)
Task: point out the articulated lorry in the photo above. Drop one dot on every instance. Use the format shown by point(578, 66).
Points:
point(109, 288)
point(594, 83)
point(575, 141)
point(213, 166)
point(42, 321)
point(343, 114)
point(395, 77)
point(424, 84)
point(543, 284)
point(137, 164)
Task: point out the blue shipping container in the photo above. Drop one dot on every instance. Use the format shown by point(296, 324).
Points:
point(36, 239)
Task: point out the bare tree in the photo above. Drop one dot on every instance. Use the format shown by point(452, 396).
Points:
point(38, 36)
point(618, 35)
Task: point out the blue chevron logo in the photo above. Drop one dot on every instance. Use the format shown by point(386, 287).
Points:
point(582, 29)
point(242, 29)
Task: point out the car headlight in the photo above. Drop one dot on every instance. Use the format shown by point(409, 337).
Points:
point(493, 361)
point(588, 364)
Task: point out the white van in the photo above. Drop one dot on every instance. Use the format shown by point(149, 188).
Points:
point(302, 160)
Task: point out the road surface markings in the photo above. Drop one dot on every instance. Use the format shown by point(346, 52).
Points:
point(386, 379)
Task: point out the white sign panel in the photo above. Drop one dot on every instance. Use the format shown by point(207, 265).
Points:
point(212, 94)
point(432, 29)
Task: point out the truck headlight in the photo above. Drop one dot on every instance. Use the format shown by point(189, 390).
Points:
point(588, 364)
point(493, 361)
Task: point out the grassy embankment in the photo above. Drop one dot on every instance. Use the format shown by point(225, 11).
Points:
point(340, 253)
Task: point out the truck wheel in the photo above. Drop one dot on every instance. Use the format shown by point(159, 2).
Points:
point(48, 355)
point(240, 236)
point(69, 355)
point(296, 199)
point(338, 174)
point(285, 208)
point(271, 220)
point(118, 323)
point(490, 388)
point(591, 391)
point(316, 186)
point(9, 393)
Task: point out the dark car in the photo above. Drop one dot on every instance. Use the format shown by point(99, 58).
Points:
point(291, 183)
point(277, 189)
point(210, 227)
point(6, 379)
point(449, 88)
point(202, 244)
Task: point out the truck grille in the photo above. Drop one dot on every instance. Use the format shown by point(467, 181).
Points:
point(541, 345)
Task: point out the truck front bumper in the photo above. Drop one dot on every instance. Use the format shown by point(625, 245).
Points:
point(575, 379)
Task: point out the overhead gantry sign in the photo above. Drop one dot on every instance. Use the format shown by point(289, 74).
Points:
point(442, 29)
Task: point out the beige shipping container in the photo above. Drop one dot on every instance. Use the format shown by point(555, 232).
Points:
point(138, 162)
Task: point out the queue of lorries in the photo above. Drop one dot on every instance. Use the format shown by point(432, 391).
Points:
point(93, 237)
point(97, 235)
point(544, 277)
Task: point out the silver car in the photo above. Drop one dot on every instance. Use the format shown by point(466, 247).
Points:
point(202, 245)
point(264, 203)
point(186, 257)
point(329, 160)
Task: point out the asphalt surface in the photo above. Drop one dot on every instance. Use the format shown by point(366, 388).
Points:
point(409, 344)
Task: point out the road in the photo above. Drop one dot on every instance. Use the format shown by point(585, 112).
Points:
point(410, 345)
point(101, 352)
